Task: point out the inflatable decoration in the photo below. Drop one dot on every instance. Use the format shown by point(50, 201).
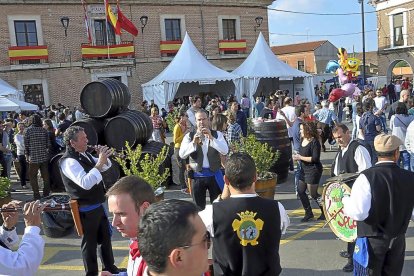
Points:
point(336, 94)
point(349, 89)
point(332, 66)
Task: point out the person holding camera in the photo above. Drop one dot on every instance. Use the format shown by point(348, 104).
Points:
point(203, 147)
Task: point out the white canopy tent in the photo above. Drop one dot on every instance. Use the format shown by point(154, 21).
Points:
point(189, 65)
point(24, 106)
point(7, 105)
point(6, 89)
point(263, 63)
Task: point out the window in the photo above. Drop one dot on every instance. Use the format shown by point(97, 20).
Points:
point(398, 24)
point(33, 93)
point(301, 65)
point(229, 29)
point(103, 31)
point(26, 34)
point(172, 29)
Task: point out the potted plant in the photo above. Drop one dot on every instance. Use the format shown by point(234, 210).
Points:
point(146, 166)
point(5, 196)
point(264, 156)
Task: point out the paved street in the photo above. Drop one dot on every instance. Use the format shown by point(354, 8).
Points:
point(306, 248)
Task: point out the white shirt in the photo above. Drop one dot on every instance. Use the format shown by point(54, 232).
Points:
point(357, 206)
point(409, 138)
point(361, 157)
point(133, 265)
point(207, 215)
point(78, 115)
point(73, 170)
point(19, 141)
point(291, 116)
point(188, 147)
point(380, 103)
point(26, 260)
point(191, 116)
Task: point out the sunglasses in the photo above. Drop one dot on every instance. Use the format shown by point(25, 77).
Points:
point(206, 240)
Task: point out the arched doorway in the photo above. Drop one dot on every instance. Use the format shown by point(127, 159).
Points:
point(400, 69)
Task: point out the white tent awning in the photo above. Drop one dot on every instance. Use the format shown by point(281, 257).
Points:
point(6, 89)
point(24, 106)
point(7, 105)
point(189, 65)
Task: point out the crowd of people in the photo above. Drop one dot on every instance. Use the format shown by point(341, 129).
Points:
point(172, 237)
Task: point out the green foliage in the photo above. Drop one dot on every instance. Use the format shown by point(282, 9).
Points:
point(133, 162)
point(4, 185)
point(262, 154)
point(170, 119)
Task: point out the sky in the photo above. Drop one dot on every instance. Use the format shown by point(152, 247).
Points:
point(303, 28)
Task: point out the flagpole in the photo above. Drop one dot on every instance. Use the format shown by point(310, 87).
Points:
point(106, 27)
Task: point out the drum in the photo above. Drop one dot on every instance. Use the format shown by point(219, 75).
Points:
point(343, 226)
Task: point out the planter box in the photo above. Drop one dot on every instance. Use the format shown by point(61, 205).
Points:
point(266, 187)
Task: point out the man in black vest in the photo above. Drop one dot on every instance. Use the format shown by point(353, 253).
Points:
point(351, 158)
point(81, 175)
point(382, 201)
point(246, 228)
point(203, 149)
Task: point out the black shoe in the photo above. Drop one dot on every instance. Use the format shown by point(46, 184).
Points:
point(321, 217)
point(344, 254)
point(307, 217)
point(349, 267)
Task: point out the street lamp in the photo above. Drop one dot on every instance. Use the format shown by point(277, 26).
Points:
point(65, 23)
point(144, 20)
point(363, 41)
point(259, 21)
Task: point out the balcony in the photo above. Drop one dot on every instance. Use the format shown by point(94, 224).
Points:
point(28, 54)
point(393, 43)
point(170, 48)
point(119, 51)
point(232, 46)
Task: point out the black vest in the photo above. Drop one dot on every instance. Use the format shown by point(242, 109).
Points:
point(392, 190)
point(260, 254)
point(347, 164)
point(84, 197)
point(213, 156)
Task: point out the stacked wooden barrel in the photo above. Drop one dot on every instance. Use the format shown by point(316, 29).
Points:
point(275, 134)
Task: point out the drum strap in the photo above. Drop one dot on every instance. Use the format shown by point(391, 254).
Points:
point(340, 159)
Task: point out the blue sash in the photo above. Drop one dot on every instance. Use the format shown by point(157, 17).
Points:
point(206, 172)
point(87, 208)
point(361, 257)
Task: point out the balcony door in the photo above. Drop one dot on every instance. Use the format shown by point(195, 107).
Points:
point(104, 32)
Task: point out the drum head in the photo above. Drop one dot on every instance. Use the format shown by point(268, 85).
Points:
point(343, 226)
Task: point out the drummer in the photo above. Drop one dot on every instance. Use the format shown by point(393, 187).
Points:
point(351, 158)
point(382, 202)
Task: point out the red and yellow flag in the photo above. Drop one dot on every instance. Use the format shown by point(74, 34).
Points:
point(112, 18)
point(125, 23)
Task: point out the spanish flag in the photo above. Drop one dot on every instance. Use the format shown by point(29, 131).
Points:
point(125, 23)
point(111, 17)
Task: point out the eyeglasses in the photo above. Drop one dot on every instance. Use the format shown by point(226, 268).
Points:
point(206, 239)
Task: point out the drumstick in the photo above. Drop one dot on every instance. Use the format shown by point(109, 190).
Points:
point(336, 213)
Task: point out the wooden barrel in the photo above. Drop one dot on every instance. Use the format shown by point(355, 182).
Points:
point(94, 129)
point(154, 148)
point(130, 126)
point(105, 98)
point(111, 175)
point(276, 135)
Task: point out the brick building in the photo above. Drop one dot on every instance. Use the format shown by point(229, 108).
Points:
point(395, 34)
point(49, 67)
point(310, 57)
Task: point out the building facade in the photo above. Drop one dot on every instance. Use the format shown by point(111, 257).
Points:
point(47, 53)
point(395, 21)
point(310, 57)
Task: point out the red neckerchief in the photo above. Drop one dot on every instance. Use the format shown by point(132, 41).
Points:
point(134, 252)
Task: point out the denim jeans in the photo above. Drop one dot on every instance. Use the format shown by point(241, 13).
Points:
point(354, 129)
point(383, 121)
point(404, 160)
point(298, 175)
point(8, 157)
point(412, 162)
